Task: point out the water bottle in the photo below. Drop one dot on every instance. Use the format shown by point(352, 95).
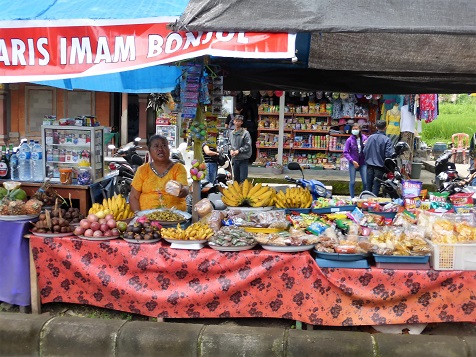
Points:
point(14, 165)
point(31, 144)
point(24, 161)
point(37, 162)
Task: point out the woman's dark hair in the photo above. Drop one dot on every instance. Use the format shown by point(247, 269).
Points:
point(154, 138)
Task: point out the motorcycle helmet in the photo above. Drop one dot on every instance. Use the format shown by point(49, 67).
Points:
point(401, 147)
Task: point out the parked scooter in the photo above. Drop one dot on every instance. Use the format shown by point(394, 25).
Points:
point(458, 185)
point(317, 188)
point(124, 172)
point(445, 170)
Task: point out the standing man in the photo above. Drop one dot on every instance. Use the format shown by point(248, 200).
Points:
point(240, 141)
point(377, 148)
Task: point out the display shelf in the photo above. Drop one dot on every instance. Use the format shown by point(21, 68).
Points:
point(311, 131)
point(322, 115)
point(333, 142)
point(273, 113)
point(271, 147)
point(273, 129)
point(311, 149)
point(70, 145)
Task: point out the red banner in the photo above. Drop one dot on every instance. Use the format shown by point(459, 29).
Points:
point(33, 53)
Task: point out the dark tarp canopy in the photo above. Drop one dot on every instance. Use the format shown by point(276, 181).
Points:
point(354, 45)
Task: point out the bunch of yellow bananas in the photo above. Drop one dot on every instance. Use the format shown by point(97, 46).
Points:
point(116, 205)
point(247, 194)
point(294, 197)
point(196, 231)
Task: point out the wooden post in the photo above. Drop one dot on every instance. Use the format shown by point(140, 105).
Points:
point(196, 196)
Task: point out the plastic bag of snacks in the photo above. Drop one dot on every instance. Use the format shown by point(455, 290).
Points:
point(203, 207)
point(173, 187)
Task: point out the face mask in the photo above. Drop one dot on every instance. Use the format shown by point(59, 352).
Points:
point(355, 132)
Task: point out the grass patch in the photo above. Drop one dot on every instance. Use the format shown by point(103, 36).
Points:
point(458, 117)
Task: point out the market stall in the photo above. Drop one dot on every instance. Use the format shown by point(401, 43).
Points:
point(157, 280)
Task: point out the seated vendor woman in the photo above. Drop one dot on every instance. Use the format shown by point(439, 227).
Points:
point(148, 185)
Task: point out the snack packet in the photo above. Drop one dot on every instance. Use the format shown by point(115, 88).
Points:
point(173, 187)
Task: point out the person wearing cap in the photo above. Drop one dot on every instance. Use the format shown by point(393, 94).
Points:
point(377, 148)
point(240, 141)
point(354, 153)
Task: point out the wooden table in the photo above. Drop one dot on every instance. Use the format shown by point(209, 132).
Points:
point(78, 192)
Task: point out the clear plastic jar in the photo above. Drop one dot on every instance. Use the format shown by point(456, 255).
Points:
point(85, 176)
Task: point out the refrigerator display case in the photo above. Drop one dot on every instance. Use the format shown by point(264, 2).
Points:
point(67, 146)
point(170, 132)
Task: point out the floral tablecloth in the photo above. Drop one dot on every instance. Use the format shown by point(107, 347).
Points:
point(156, 280)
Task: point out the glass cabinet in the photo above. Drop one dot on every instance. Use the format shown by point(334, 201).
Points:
point(67, 146)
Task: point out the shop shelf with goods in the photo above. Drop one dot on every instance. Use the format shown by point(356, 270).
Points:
point(68, 146)
point(268, 137)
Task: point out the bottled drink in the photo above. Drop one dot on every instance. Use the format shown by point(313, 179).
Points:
point(4, 165)
point(24, 161)
point(14, 165)
point(31, 144)
point(37, 162)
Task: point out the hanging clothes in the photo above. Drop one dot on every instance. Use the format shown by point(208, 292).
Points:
point(428, 107)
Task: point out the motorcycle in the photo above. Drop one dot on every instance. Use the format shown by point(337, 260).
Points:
point(317, 188)
point(123, 172)
point(391, 182)
point(458, 185)
point(445, 170)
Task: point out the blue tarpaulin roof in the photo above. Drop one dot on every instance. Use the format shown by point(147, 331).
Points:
point(146, 80)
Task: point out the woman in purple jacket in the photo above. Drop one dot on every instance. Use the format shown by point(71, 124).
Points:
point(354, 152)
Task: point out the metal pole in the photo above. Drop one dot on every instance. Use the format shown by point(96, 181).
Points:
point(281, 130)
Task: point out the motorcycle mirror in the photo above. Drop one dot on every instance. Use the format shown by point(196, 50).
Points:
point(295, 166)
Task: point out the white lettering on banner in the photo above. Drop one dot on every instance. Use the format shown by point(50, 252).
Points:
point(40, 44)
point(176, 41)
point(4, 53)
point(208, 38)
point(242, 38)
point(103, 53)
point(190, 39)
point(173, 39)
point(155, 45)
point(80, 50)
point(221, 37)
point(18, 52)
point(125, 50)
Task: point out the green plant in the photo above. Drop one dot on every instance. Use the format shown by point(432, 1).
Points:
point(458, 117)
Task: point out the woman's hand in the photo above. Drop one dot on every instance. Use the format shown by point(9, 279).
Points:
point(184, 191)
point(356, 164)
